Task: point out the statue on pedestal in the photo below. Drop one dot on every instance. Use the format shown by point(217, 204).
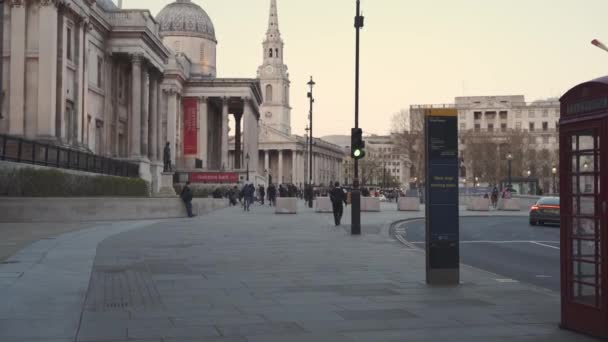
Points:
point(167, 158)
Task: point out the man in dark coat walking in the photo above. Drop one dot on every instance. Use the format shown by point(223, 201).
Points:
point(186, 196)
point(167, 158)
point(338, 200)
point(272, 195)
point(262, 194)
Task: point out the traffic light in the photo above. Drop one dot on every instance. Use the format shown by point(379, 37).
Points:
point(357, 145)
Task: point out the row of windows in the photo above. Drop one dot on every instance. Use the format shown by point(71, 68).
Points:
point(504, 127)
point(276, 53)
point(269, 94)
point(490, 115)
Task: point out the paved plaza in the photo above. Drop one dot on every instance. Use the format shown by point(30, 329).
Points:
point(257, 276)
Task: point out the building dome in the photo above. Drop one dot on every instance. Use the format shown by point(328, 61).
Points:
point(107, 5)
point(184, 18)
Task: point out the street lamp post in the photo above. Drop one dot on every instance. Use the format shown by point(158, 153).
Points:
point(529, 173)
point(509, 160)
point(311, 84)
point(554, 172)
point(247, 160)
point(356, 194)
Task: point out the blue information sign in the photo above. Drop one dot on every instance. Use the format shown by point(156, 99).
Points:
point(442, 226)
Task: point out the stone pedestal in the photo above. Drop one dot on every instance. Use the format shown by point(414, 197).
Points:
point(286, 205)
point(479, 204)
point(409, 204)
point(166, 185)
point(323, 205)
point(511, 204)
point(370, 204)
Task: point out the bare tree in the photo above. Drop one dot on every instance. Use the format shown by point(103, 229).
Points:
point(408, 137)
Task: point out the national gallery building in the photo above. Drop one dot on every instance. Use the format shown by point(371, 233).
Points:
point(119, 83)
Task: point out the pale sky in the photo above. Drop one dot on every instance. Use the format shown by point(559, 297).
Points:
point(412, 51)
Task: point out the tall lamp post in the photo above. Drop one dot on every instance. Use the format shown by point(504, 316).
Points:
point(509, 161)
point(529, 173)
point(356, 194)
point(554, 172)
point(311, 84)
point(247, 161)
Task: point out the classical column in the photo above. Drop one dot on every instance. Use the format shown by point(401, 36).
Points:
point(161, 112)
point(203, 129)
point(17, 69)
point(224, 132)
point(171, 123)
point(83, 80)
point(266, 161)
point(280, 178)
point(145, 112)
point(294, 163)
point(237, 140)
point(154, 120)
point(47, 68)
point(136, 112)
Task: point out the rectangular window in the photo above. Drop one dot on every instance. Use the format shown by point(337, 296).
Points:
point(545, 126)
point(491, 115)
point(518, 114)
point(545, 113)
point(531, 126)
point(503, 114)
point(490, 128)
point(531, 113)
point(503, 127)
point(545, 140)
point(99, 72)
point(463, 126)
point(477, 115)
point(69, 44)
point(518, 126)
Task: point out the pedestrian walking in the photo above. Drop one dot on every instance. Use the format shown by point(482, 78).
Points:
point(272, 195)
point(186, 196)
point(248, 194)
point(338, 200)
point(232, 195)
point(262, 193)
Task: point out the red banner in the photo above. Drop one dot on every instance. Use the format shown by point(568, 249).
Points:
point(190, 131)
point(213, 177)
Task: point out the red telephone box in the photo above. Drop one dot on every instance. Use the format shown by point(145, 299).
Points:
point(583, 140)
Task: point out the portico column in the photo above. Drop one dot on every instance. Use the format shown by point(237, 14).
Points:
point(294, 163)
point(280, 179)
point(145, 103)
point(203, 124)
point(224, 132)
point(171, 123)
point(17, 68)
point(47, 68)
point(154, 119)
point(136, 106)
point(237, 140)
point(266, 161)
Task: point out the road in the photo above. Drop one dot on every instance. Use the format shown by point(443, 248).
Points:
point(507, 246)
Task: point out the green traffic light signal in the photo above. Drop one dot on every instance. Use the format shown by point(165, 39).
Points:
point(357, 144)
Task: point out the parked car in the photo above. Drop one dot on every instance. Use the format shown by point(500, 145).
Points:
point(545, 210)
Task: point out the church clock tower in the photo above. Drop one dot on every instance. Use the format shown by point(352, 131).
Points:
point(274, 78)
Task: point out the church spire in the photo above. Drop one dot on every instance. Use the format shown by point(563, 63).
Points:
point(273, 32)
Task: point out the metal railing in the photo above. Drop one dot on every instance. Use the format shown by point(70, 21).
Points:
point(31, 152)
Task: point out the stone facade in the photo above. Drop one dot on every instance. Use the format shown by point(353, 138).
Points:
point(91, 76)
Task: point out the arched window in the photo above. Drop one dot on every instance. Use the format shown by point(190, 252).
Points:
point(202, 52)
point(270, 53)
point(286, 96)
point(269, 93)
point(177, 46)
point(277, 52)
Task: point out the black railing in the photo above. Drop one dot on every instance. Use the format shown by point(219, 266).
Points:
point(31, 152)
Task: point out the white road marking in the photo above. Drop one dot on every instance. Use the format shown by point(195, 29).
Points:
point(543, 276)
point(507, 281)
point(544, 245)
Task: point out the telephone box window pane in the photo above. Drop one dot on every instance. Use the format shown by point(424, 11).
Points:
point(583, 228)
point(575, 168)
point(586, 141)
point(584, 250)
point(587, 162)
point(575, 184)
point(575, 203)
point(584, 294)
point(587, 206)
point(587, 185)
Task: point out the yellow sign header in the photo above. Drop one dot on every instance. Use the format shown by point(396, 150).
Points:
point(441, 112)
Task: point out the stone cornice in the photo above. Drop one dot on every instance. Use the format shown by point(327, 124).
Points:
point(17, 3)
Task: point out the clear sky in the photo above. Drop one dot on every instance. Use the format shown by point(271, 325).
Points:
point(412, 51)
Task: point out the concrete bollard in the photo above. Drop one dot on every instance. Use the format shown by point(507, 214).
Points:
point(409, 204)
point(287, 205)
point(370, 204)
point(479, 204)
point(510, 204)
point(323, 205)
